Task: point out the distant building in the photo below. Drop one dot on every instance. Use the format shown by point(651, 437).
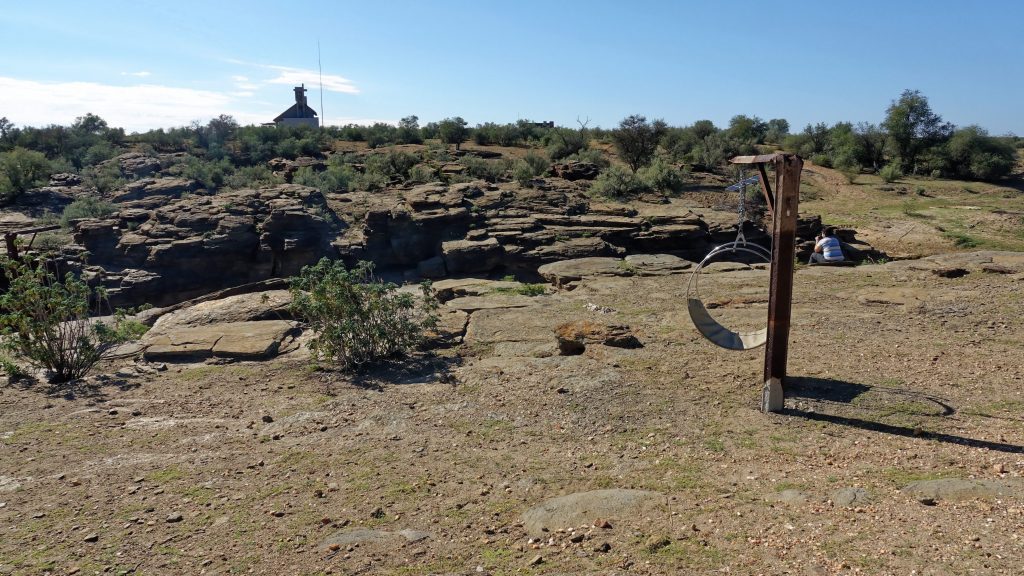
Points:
point(300, 114)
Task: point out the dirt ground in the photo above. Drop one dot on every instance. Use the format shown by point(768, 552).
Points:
point(897, 375)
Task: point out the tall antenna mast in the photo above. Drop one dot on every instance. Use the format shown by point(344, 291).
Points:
point(323, 117)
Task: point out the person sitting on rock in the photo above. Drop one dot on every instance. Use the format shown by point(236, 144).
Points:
point(828, 248)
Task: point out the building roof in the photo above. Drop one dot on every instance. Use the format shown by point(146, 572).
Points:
point(297, 111)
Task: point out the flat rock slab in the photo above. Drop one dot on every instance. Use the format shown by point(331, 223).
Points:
point(791, 497)
point(850, 497)
point(583, 508)
point(458, 287)
point(908, 297)
point(724, 267)
point(657, 264)
point(960, 489)
point(471, 304)
point(565, 271)
point(240, 340)
point(368, 536)
point(269, 305)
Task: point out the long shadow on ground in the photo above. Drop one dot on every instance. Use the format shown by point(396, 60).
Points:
point(884, 401)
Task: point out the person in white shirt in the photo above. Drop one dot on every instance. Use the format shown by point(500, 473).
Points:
point(827, 248)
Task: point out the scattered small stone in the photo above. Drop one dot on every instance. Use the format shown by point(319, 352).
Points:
point(112, 412)
point(603, 547)
point(267, 418)
point(655, 543)
point(174, 517)
point(277, 513)
point(999, 468)
point(927, 501)
point(334, 547)
point(577, 538)
point(602, 523)
point(537, 560)
point(91, 537)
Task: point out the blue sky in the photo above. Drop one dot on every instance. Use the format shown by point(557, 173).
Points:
point(151, 63)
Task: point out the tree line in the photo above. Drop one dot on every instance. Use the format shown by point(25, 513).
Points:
point(912, 139)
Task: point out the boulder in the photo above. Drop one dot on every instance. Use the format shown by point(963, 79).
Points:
point(461, 256)
point(573, 337)
point(575, 170)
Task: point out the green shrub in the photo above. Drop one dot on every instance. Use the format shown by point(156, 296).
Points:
point(891, 172)
point(591, 155)
point(252, 177)
point(391, 163)
point(662, 176)
point(87, 207)
point(618, 182)
point(422, 173)
point(529, 167)
point(822, 160)
point(105, 178)
point(564, 142)
point(21, 169)
point(338, 177)
point(357, 319)
point(47, 322)
point(489, 170)
point(211, 174)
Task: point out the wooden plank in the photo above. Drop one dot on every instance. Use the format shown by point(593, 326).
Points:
point(755, 159)
point(766, 188)
point(780, 294)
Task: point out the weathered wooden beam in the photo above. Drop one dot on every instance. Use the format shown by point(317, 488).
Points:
point(759, 159)
point(766, 187)
point(780, 295)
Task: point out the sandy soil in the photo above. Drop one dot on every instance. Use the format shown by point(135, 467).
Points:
point(897, 375)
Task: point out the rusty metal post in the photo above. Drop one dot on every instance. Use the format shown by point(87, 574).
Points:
point(780, 295)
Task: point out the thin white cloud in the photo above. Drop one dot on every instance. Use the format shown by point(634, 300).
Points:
point(312, 78)
point(139, 74)
point(134, 108)
point(238, 78)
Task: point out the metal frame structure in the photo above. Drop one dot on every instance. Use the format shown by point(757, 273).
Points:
point(783, 202)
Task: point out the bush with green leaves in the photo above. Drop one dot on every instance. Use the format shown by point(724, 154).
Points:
point(661, 176)
point(357, 319)
point(489, 170)
point(47, 321)
point(529, 167)
point(618, 182)
point(563, 142)
point(891, 172)
point(422, 173)
point(86, 207)
point(21, 169)
point(591, 155)
point(258, 176)
point(392, 163)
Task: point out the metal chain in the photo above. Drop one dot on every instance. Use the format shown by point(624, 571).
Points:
point(742, 210)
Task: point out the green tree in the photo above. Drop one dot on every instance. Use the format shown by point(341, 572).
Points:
point(637, 140)
point(453, 131)
point(21, 169)
point(974, 154)
point(777, 130)
point(747, 129)
point(409, 130)
point(913, 127)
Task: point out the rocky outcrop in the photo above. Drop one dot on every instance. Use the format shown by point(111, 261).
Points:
point(194, 246)
point(575, 170)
